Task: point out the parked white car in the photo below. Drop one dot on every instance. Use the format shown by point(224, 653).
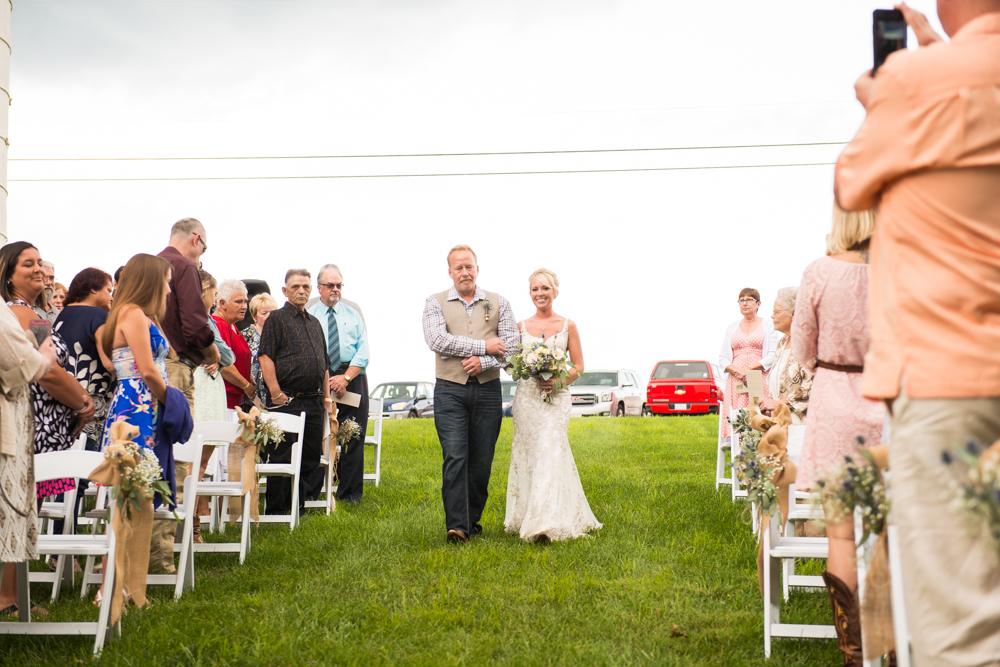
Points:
point(592, 394)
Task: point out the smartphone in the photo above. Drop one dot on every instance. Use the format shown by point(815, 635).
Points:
point(41, 329)
point(889, 34)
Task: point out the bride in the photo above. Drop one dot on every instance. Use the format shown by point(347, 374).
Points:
point(545, 500)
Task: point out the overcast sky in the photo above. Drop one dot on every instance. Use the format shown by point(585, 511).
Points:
point(650, 262)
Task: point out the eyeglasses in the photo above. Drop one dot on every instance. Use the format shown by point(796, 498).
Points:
point(748, 300)
point(201, 240)
point(331, 285)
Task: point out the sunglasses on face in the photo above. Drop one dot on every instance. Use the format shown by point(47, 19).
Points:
point(332, 285)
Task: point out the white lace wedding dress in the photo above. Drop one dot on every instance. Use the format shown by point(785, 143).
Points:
point(544, 493)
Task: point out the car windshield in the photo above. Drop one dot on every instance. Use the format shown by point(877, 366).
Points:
point(507, 389)
point(599, 380)
point(400, 392)
point(681, 370)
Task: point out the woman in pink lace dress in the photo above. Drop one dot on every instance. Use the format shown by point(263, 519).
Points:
point(830, 337)
point(749, 344)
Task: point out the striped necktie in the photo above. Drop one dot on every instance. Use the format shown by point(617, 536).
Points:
point(333, 339)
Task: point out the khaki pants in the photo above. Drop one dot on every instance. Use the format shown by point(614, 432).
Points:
point(951, 578)
point(161, 547)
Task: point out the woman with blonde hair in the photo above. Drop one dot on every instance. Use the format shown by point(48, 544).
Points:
point(545, 498)
point(830, 338)
point(260, 307)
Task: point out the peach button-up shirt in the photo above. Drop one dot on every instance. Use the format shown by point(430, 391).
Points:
point(928, 154)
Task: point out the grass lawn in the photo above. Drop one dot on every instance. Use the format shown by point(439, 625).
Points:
point(376, 584)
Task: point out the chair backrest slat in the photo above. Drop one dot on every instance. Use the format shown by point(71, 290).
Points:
point(216, 431)
point(67, 463)
point(188, 452)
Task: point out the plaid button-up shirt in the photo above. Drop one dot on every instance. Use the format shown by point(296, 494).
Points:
point(440, 341)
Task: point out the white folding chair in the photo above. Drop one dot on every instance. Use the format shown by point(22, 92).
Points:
point(295, 425)
point(325, 463)
point(188, 452)
point(50, 512)
point(58, 465)
point(721, 448)
point(780, 550)
point(227, 491)
point(375, 417)
point(900, 624)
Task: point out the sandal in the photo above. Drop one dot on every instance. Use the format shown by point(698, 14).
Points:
point(35, 609)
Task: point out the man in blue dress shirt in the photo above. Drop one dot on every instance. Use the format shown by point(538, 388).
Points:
point(347, 345)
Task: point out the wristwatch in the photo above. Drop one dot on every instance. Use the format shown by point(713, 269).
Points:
point(347, 377)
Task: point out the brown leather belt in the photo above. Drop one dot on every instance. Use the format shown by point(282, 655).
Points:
point(839, 368)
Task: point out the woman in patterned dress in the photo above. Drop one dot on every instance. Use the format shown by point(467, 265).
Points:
point(20, 365)
point(61, 407)
point(830, 337)
point(260, 307)
point(133, 343)
point(749, 344)
point(788, 381)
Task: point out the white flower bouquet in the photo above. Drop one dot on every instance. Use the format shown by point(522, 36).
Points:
point(541, 361)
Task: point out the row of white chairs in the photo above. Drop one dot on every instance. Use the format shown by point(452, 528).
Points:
point(78, 463)
point(783, 548)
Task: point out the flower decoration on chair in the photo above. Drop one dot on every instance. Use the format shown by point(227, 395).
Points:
point(140, 473)
point(977, 487)
point(347, 431)
point(857, 483)
point(541, 361)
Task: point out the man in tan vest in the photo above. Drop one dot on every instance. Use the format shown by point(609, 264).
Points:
point(469, 331)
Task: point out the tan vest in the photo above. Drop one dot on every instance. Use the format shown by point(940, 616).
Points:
point(458, 323)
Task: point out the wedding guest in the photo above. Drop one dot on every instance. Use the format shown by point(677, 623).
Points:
point(232, 308)
point(209, 390)
point(131, 341)
point(260, 307)
point(61, 407)
point(185, 326)
point(49, 271)
point(468, 342)
point(830, 338)
point(295, 368)
point(788, 382)
point(20, 365)
point(59, 297)
point(347, 348)
point(928, 154)
point(749, 344)
point(80, 323)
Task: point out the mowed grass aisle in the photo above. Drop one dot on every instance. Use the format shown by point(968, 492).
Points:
point(376, 584)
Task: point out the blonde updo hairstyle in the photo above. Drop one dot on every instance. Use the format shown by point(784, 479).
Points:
point(545, 277)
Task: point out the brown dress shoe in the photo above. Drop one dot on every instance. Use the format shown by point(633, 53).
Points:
point(846, 619)
point(457, 536)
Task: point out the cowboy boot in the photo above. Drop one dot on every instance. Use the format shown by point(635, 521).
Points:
point(846, 619)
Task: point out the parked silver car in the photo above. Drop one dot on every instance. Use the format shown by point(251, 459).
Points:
point(593, 393)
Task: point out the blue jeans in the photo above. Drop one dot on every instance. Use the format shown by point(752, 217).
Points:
point(468, 419)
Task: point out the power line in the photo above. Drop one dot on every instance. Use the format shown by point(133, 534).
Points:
point(482, 173)
point(402, 155)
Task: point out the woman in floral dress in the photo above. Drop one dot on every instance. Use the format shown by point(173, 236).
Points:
point(132, 341)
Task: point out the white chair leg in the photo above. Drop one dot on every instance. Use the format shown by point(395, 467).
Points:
point(772, 589)
point(245, 528)
point(378, 463)
point(224, 515)
point(213, 511)
point(105, 614)
point(295, 505)
point(183, 562)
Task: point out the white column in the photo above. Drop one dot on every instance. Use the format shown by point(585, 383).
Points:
point(5, 10)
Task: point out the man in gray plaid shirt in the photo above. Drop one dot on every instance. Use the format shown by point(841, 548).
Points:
point(469, 330)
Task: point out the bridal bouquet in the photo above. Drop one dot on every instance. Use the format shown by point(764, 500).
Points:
point(541, 361)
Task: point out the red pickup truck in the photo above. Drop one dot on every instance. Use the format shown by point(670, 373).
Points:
point(683, 387)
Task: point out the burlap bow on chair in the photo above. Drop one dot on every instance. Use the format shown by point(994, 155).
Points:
point(132, 533)
point(772, 452)
point(878, 635)
point(242, 463)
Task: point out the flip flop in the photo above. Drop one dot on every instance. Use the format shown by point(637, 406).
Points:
point(13, 609)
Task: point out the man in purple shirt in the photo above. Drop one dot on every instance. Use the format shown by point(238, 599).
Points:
point(185, 326)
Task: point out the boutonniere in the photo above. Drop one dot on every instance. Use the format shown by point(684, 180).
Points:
point(487, 305)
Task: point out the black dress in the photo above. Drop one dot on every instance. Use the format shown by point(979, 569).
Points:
point(78, 325)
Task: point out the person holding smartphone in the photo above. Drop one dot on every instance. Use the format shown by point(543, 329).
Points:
point(928, 155)
point(61, 406)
